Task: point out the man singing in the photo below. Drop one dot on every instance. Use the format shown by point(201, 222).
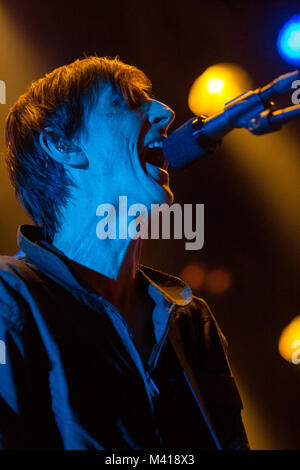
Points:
point(101, 352)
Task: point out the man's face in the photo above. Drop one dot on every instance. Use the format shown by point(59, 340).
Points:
point(115, 140)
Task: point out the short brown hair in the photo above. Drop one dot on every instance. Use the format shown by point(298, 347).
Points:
point(58, 100)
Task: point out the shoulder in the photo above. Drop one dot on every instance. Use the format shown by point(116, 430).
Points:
point(198, 328)
point(202, 312)
point(15, 277)
point(189, 309)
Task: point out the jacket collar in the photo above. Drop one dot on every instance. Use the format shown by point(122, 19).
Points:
point(50, 260)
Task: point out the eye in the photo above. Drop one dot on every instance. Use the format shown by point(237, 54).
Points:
point(116, 100)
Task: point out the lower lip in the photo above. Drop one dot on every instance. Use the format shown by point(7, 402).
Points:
point(159, 174)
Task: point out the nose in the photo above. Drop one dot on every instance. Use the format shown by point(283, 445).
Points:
point(160, 115)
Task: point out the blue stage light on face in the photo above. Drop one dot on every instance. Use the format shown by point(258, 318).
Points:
point(288, 42)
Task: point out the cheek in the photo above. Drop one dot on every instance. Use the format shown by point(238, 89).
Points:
point(110, 143)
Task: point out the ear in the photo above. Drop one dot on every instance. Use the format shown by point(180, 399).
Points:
point(62, 150)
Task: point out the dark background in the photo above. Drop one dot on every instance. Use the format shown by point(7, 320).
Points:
point(174, 42)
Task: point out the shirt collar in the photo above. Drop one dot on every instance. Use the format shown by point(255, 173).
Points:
point(50, 260)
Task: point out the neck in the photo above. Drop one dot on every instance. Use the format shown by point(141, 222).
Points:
point(120, 286)
point(107, 266)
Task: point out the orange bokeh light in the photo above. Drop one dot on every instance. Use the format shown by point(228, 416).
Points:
point(218, 281)
point(194, 275)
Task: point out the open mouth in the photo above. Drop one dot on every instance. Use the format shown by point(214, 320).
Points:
point(155, 156)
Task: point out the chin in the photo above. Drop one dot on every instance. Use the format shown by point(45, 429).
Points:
point(169, 196)
point(161, 194)
point(158, 185)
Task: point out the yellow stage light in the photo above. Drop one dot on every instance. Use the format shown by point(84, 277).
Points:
point(289, 342)
point(215, 86)
point(219, 84)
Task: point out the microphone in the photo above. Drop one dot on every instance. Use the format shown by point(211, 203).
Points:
point(202, 135)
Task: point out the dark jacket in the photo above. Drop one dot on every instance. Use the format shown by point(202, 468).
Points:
point(70, 382)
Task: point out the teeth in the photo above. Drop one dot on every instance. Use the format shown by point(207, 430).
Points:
point(155, 144)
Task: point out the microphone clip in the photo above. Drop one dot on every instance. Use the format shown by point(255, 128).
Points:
point(209, 145)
